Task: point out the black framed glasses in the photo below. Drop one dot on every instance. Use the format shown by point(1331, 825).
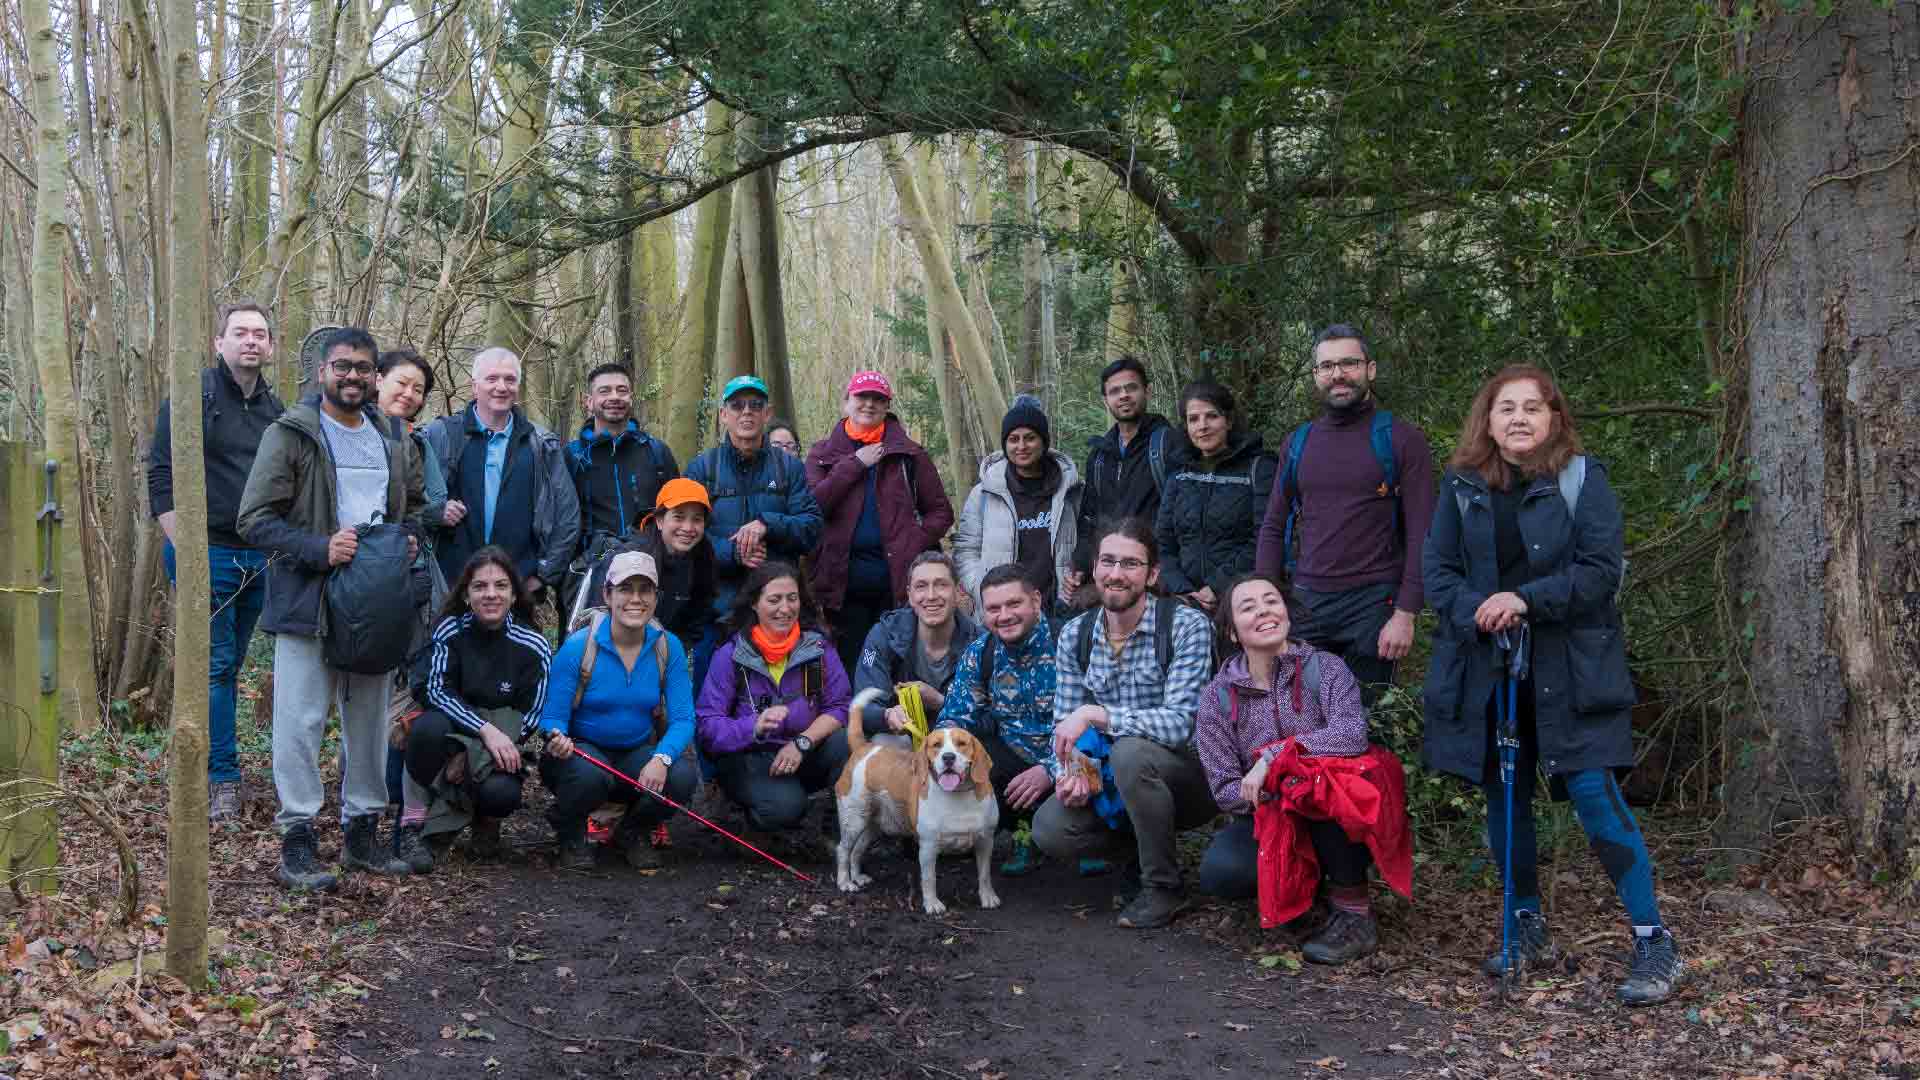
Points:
point(348, 367)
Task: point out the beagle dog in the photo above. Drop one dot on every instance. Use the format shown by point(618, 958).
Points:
point(939, 794)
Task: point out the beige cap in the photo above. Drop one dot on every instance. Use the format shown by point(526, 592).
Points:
point(627, 564)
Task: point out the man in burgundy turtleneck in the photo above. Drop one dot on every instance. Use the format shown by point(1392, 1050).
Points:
point(1358, 576)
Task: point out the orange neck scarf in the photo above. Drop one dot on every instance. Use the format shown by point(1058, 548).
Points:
point(775, 650)
point(868, 436)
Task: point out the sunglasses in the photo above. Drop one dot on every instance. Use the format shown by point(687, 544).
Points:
point(746, 404)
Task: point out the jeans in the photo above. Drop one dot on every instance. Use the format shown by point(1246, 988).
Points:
point(579, 788)
point(1231, 866)
point(1348, 624)
point(239, 591)
point(1611, 830)
point(1164, 791)
point(779, 802)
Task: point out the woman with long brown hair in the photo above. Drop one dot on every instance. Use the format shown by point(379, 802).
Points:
point(1528, 538)
point(482, 680)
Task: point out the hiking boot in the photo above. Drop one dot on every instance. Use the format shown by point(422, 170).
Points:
point(1024, 859)
point(1536, 946)
point(635, 842)
point(1347, 936)
point(1655, 970)
point(300, 868)
point(575, 853)
point(362, 849)
point(1152, 909)
point(223, 801)
point(1129, 882)
point(484, 844)
point(410, 848)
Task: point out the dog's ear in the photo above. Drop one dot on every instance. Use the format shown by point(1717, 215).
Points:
point(981, 771)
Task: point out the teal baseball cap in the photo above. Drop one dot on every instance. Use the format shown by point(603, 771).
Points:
point(744, 382)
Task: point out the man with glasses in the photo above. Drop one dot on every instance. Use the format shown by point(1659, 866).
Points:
point(507, 479)
point(236, 405)
point(1348, 516)
point(327, 465)
point(1131, 669)
point(762, 507)
point(1126, 467)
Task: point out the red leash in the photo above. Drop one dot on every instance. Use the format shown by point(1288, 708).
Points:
point(604, 767)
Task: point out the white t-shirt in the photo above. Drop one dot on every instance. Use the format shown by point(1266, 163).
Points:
point(359, 470)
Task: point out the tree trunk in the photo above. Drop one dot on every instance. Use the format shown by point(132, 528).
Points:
point(247, 220)
point(192, 328)
point(733, 334)
point(51, 239)
point(759, 221)
point(693, 354)
point(943, 290)
point(1830, 558)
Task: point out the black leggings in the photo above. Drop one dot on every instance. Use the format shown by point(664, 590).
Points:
point(429, 747)
point(1231, 866)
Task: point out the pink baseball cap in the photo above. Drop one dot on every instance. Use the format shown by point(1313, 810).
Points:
point(869, 382)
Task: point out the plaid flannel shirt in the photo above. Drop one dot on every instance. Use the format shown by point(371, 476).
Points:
point(1139, 700)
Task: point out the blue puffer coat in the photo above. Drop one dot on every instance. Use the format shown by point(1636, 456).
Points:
point(771, 487)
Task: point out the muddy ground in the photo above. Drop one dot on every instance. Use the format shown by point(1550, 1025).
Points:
point(719, 965)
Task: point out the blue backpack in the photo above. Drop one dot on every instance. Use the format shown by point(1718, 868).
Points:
point(1380, 438)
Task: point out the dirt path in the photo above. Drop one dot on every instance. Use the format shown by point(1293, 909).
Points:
point(714, 967)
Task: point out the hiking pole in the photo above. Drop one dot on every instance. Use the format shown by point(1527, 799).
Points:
point(1506, 701)
point(637, 785)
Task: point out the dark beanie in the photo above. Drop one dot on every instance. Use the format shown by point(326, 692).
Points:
point(1026, 413)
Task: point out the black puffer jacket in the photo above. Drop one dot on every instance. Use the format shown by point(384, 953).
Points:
point(1583, 691)
point(1210, 513)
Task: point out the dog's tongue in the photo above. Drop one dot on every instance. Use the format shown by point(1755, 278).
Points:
point(949, 781)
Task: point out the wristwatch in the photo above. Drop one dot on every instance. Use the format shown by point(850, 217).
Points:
point(805, 744)
point(664, 759)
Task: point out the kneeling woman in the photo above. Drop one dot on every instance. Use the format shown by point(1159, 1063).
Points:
point(620, 693)
point(1278, 713)
point(1527, 535)
point(486, 676)
point(775, 701)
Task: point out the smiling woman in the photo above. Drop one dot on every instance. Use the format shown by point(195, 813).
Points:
point(482, 682)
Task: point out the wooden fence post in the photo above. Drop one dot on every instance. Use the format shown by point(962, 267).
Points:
point(29, 680)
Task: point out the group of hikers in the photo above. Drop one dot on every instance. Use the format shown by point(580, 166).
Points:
point(1185, 626)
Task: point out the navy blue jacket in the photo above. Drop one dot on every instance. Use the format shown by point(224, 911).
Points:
point(1583, 692)
point(772, 487)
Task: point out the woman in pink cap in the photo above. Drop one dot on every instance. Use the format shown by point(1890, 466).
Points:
point(884, 504)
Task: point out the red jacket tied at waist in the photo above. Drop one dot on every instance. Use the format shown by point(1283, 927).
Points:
point(1366, 794)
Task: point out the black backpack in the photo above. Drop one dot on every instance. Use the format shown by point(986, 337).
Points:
point(1165, 607)
point(367, 632)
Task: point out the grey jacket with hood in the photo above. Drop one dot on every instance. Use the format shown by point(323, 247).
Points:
point(986, 536)
point(288, 510)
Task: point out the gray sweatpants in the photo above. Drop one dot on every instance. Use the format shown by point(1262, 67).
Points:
point(303, 688)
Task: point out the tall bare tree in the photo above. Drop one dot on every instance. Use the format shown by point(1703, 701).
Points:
point(191, 327)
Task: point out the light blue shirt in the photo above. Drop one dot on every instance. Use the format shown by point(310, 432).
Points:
point(496, 467)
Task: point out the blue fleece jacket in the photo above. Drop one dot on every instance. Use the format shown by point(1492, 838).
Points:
point(616, 712)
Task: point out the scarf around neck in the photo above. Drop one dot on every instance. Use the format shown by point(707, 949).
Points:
point(775, 650)
point(865, 436)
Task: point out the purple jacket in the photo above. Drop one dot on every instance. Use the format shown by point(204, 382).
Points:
point(1228, 740)
point(724, 717)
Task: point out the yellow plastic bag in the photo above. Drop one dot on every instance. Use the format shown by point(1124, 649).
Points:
point(909, 695)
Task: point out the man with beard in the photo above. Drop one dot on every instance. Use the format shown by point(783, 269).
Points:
point(1132, 670)
point(328, 464)
point(618, 469)
point(236, 405)
point(1126, 467)
point(507, 482)
point(1002, 693)
point(1356, 495)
